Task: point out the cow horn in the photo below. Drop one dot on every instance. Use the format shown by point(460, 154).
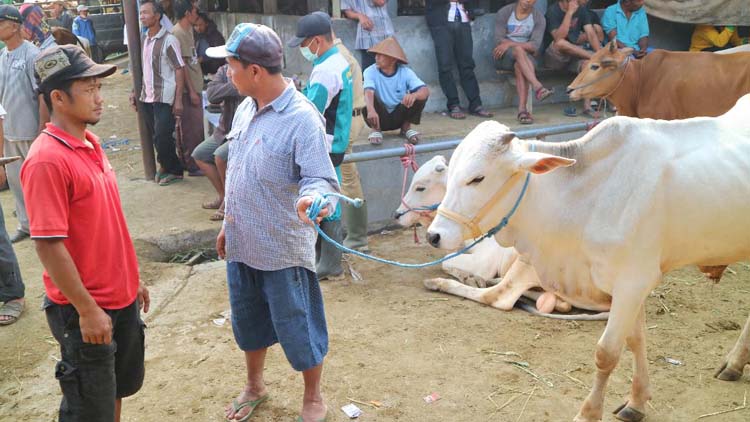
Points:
point(613, 45)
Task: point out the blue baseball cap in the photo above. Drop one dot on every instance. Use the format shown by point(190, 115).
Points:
point(252, 43)
point(316, 23)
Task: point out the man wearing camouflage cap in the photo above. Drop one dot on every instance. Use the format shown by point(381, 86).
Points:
point(278, 161)
point(93, 290)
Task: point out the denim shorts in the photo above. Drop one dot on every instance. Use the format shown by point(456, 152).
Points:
point(92, 376)
point(284, 306)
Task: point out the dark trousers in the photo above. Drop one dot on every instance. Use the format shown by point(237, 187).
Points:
point(400, 115)
point(454, 48)
point(93, 376)
point(11, 284)
point(160, 122)
point(368, 59)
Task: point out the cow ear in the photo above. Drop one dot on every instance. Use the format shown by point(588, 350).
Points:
point(540, 163)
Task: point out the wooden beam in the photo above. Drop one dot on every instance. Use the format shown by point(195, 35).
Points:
point(336, 8)
point(270, 7)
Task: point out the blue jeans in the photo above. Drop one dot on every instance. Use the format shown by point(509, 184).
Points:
point(284, 306)
point(11, 284)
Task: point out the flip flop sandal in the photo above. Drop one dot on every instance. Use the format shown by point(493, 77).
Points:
point(252, 404)
point(323, 419)
point(212, 205)
point(525, 118)
point(455, 112)
point(160, 175)
point(480, 112)
point(412, 136)
point(13, 310)
point(169, 179)
point(375, 138)
point(217, 216)
point(543, 93)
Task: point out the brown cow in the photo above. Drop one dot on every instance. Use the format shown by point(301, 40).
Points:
point(664, 84)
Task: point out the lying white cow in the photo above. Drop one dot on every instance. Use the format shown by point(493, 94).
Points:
point(480, 266)
point(630, 201)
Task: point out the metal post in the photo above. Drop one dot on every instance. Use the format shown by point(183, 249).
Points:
point(450, 144)
point(130, 9)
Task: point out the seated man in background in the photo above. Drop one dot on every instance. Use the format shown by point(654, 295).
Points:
point(574, 40)
point(627, 22)
point(394, 95)
point(212, 154)
point(715, 38)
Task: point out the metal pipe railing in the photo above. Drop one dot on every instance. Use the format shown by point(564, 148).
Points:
point(453, 143)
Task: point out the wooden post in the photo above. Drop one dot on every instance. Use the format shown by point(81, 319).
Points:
point(130, 9)
point(336, 8)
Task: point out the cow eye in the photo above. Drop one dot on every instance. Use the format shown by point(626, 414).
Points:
point(594, 67)
point(419, 189)
point(476, 180)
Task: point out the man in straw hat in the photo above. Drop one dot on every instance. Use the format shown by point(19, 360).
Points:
point(93, 291)
point(278, 163)
point(394, 94)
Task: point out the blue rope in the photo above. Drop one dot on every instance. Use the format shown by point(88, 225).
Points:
point(320, 202)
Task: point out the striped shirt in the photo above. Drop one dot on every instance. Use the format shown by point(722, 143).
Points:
point(160, 58)
point(382, 27)
point(278, 154)
point(18, 92)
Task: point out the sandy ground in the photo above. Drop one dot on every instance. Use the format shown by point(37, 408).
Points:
point(391, 340)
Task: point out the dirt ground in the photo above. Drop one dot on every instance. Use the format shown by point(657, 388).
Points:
point(391, 340)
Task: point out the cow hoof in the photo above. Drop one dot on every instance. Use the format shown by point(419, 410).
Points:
point(727, 374)
point(628, 414)
point(433, 284)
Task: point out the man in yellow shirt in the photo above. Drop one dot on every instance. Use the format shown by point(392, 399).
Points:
point(713, 38)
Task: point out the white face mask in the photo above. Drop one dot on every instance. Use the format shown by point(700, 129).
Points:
point(308, 54)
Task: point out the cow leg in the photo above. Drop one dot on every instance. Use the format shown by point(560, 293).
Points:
point(462, 268)
point(734, 364)
point(502, 296)
point(621, 323)
point(635, 408)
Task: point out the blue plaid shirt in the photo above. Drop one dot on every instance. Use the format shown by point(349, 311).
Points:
point(277, 155)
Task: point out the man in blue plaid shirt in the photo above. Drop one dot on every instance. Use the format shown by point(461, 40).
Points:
point(278, 162)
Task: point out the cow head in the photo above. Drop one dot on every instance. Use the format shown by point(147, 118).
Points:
point(484, 181)
point(600, 75)
point(427, 188)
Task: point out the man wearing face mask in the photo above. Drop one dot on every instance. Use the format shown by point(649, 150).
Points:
point(330, 89)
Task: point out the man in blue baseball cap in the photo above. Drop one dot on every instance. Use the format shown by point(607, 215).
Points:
point(330, 89)
point(278, 161)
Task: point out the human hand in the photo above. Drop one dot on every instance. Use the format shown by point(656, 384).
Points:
point(408, 100)
point(195, 99)
point(303, 204)
point(500, 49)
point(379, 3)
point(132, 101)
point(96, 326)
point(372, 118)
point(572, 7)
point(639, 53)
point(221, 244)
point(144, 299)
point(366, 22)
point(177, 108)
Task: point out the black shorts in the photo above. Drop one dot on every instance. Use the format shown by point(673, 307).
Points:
point(92, 376)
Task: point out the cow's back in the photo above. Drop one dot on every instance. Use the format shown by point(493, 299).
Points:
point(679, 85)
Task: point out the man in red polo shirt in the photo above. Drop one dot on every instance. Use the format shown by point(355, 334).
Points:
point(91, 277)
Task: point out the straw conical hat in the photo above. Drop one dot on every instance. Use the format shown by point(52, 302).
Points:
point(391, 48)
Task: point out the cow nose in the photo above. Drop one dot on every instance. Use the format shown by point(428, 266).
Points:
point(568, 90)
point(434, 239)
point(398, 214)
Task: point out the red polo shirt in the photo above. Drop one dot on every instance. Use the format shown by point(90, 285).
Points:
point(71, 193)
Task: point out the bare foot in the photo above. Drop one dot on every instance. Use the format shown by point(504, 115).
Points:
point(314, 411)
point(248, 394)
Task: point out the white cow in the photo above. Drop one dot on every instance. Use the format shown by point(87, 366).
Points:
point(630, 200)
point(485, 263)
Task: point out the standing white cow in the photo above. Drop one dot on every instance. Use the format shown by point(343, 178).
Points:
point(484, 263)
point(630, 201)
